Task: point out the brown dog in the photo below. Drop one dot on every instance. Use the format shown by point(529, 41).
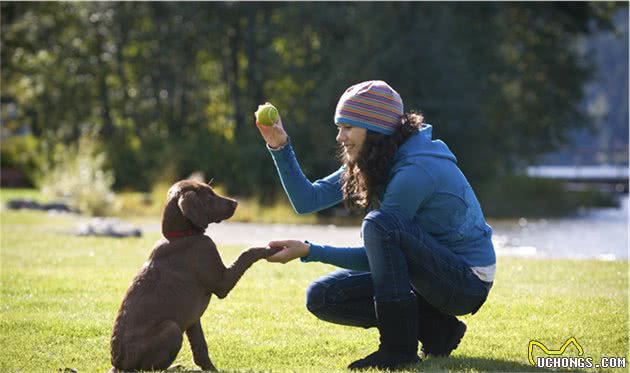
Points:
point(172, 290)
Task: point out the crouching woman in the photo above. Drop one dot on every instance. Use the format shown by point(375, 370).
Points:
point(427, 254)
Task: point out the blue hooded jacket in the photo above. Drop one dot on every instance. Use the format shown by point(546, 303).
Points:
point(425, 185)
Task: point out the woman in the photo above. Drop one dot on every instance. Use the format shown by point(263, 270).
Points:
point(427, 253)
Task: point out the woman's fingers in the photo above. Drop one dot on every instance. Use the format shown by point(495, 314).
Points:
point(282, 243)
point(286, 253)
point(291, 249)
point(276, 258)
point(283, 256)
point(274, 136)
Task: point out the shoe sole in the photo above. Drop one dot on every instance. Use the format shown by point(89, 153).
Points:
point(453, 343)
point(359, 365)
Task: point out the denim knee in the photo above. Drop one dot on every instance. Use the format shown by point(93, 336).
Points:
point(315, 297)
point(376, 221)
point(381, 222)
point(386, 219)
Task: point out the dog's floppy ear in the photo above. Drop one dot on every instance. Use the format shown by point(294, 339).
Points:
point(193, 208)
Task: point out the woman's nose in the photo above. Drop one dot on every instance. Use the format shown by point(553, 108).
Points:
point(341, 137)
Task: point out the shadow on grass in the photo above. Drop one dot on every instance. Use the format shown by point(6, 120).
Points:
point(429, 365)
point(454, 363)
point(185, 370)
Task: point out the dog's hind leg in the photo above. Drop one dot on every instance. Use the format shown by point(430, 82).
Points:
point(199, 347)
point(160, 346)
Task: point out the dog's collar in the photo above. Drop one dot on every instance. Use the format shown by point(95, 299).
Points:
point(186, 233)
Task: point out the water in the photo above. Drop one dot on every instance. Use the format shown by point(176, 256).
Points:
point(593, 234)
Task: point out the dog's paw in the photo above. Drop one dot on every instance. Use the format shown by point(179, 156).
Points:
point(269, 251)
point(177, 368)
point(262, 252)
point(209, 368)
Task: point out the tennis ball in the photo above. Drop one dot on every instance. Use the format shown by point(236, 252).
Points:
point(267, 114)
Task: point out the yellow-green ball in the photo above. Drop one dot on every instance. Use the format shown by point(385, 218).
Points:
point(267, 115)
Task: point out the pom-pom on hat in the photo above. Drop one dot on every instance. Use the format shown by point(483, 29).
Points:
point(373, 105)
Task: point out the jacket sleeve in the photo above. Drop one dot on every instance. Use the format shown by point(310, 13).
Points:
point(344, 257)
point(305, 196)
point(409, 187)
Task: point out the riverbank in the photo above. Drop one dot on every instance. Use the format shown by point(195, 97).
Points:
point(596, 233)
point(600, 234)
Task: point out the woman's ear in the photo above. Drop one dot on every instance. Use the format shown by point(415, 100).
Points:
point(193, 208)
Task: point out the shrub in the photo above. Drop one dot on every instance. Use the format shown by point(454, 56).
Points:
point(23, 153)
point(78, 175)
point(523, 196)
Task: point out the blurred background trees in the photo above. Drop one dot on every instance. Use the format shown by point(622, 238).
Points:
point(167, 88)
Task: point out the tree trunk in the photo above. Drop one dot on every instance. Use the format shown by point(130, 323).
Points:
point(107, 130)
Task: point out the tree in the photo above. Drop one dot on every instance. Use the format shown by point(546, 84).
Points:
point(172, 87)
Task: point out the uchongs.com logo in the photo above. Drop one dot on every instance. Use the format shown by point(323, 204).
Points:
point(555, 358)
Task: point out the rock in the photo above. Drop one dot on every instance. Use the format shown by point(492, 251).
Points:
point(29, 204)
point(19, 204)
point(108, 227)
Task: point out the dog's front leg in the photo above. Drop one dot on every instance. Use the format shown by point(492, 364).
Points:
point(199, 347)
point(232, 274)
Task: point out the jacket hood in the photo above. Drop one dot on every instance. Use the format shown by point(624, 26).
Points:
point(422, 144)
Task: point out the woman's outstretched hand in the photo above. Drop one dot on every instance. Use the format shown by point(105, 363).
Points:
point(291, 249)
point(275, 135)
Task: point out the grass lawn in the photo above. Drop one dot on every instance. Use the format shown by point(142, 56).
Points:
point(60, 295)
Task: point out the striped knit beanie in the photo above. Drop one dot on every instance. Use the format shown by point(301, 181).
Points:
point(372, 105)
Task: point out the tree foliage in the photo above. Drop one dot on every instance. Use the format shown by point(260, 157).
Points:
point(171, 87)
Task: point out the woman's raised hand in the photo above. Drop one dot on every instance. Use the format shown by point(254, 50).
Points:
point(291, 249)
point(275, 135)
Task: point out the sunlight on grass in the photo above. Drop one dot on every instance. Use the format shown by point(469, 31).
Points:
point(141, 207)
point(60, 295)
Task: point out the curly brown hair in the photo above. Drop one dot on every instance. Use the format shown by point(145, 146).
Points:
point(364, 179)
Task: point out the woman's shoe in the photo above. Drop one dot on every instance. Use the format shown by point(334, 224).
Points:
point(384, 360)
point(440, 336)
point(397, 324)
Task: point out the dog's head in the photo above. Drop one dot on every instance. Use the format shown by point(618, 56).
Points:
point(198, 203)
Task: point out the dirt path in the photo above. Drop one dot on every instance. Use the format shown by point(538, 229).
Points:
point(260, 234)
point(254, 234)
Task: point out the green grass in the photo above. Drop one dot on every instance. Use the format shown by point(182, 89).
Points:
point(24, 193)
point(60, 295)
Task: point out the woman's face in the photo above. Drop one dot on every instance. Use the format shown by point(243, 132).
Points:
point(352, 139)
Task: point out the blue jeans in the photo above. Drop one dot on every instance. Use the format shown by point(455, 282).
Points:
point(403, 259)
